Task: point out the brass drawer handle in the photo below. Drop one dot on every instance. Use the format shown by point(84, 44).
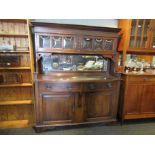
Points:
point(92, 86)
point(48, 86)
point(146, 78)
point(69, 88)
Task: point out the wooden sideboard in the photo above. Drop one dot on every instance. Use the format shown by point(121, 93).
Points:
point(67, 90)
point(75, 101)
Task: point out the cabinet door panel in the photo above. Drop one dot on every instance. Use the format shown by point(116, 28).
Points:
point(57, 107)
point(133, 99)
point(87, 43)
point(139, 36)
point(98, 104)
point(148, 99)
point(152, 31)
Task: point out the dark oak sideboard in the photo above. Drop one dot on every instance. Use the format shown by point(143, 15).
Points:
point(75, 78)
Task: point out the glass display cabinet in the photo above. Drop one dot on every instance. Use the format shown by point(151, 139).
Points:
point(75, 78)
point(137, 52)
point(139, 33)
point(137, 37)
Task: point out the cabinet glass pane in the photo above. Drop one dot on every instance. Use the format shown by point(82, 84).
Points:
point(153, 41)
point(153, 46)
point(144, 42)
point(68, 42)
point(133, 27)
point(60, 62)
point(146, 26)
point(145, 33)
point(139, 29)
point(139, 33)
point(98, 44)
point(108, 44)
point(138, 42)
point(44, 41)
point(87, 43)
point(56, 42)
point(131, 42)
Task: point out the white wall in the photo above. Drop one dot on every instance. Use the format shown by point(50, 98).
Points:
point(90, 22)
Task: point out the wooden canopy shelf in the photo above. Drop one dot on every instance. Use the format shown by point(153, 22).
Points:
point(15, 123)
point(139, 51)
point(83, 52)
point(20, 102)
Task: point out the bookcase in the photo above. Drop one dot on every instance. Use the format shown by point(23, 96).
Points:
point(16, 73)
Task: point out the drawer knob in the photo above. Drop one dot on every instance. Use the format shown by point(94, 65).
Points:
point(146, 78)
point(92, 86)
point(69, 87)
point(48, 86)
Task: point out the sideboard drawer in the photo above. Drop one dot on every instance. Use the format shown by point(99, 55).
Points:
point(144, 78)
point(59, 87)
point(98, 86)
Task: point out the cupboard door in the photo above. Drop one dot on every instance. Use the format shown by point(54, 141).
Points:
point(133, 98)
point(98, 105)
point(57, 108)
point(148, 99)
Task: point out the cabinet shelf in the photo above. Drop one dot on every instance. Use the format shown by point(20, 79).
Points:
point(14, 20)
point(15, 68)
point(139, 50)
point(18, 102)
point(132, 36)
point(16, 85)
point(8, 52)
point(106, 52)
point(15, 124)
point(13, 35)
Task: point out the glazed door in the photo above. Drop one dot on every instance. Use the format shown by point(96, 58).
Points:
point(133, 99)
point(152, 29)
point(148, 99)
point(57, 108)
point(98, 105)
point(140, 33)
point(55, 42)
